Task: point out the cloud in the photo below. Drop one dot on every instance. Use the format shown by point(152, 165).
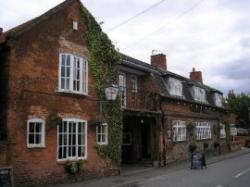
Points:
point(213, 37)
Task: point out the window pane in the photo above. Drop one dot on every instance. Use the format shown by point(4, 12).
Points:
point(63, 71)
point(60, 156)
point(68, 60)
point(31, 139)
point(60, 139)
point(38, 127)
point(64, 152)
point(38, 138)
point(63, 60)
point(31, 127)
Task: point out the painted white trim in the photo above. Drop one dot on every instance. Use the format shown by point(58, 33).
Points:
point(43, 133)
point(205, 126)
point(76, 120)
point(179, 124)
point(103, 125)
point(70, 90)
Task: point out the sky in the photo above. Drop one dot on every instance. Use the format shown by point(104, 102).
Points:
point(211, 35)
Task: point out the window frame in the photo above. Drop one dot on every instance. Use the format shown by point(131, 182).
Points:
point(175, 87)
point(200, 134)
point(134, 83)
point(83, 90)
point(176, 127)
point(198, 96)
point(123, 91)
point(218, 99)
point(102, 132)
point(76, 120)
point(34, 145)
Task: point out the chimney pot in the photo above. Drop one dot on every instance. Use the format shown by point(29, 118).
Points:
point(159, 61)
point(196, 75)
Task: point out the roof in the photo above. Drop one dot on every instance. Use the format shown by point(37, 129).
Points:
point(18, 30)
point(160, 78)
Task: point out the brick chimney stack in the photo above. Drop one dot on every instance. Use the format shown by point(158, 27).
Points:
point(196, 75)
point(159, 61)
point(1, 31)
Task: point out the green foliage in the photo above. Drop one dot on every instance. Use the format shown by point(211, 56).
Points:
point(75, 167)
point(190, 128)
point(103, 61)
point(54, 119)
point(239, 104)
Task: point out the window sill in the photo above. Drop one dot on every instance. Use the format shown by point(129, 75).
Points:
point(65, 92)
point(102, 144)
point(179, 142)
point(36, 146)
point(64, 161)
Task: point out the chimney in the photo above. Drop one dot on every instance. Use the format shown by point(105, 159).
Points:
point(159, 61)
point(1, 31)
point(196, 75)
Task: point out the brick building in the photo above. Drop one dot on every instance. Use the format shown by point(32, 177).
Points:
point(158, 108)
point(45, 74)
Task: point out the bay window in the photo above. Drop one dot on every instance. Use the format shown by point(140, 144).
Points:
point(73, 74)
point(72, 139)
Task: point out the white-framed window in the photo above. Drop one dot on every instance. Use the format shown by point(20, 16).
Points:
point(134, 84)
point(179, 131)
point(127, 139)
point(199, 94)
point(72, 139)
point(102, 134)
point(218, 99)
point(122, 88)
point(35, 133)
point(175, 87)
point(73, 74)
point(222, 131)
point(203, 131)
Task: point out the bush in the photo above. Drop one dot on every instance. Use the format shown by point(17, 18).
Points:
point(75, 167)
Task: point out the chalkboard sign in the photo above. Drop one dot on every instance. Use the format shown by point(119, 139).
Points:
point(6, 177)
point(196, 160)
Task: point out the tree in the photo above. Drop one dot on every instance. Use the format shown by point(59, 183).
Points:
point(240, 104)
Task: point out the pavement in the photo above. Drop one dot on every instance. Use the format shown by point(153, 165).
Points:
point(150, 176)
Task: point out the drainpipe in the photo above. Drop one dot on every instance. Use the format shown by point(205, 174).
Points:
point(163, 134)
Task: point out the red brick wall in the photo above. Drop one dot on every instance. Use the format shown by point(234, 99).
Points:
point(34, 92)
point(3, 147)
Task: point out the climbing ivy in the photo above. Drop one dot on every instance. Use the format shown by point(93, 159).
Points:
point(103, 61)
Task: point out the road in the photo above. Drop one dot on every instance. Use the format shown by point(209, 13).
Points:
point(234, 172)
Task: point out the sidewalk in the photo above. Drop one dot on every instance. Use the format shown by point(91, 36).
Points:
point(130, 176)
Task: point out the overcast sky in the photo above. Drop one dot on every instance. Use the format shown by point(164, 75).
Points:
point(211, 35)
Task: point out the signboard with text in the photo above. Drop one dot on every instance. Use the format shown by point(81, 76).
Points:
point(6, 177)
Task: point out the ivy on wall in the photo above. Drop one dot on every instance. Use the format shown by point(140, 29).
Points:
point(103, 61)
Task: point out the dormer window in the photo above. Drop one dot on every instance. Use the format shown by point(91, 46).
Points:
point(199, 94)
point(218, 99)
point(175, 87)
